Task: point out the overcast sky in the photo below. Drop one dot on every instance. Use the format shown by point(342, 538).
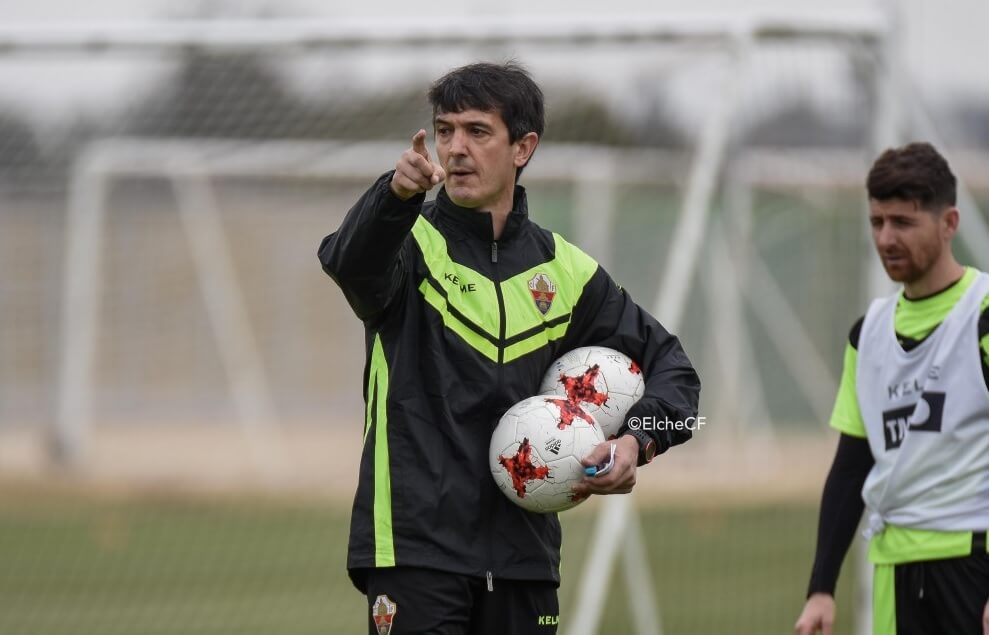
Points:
point(946, 43)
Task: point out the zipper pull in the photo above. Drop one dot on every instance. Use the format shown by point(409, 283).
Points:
point(490, 581)
point(494, 251)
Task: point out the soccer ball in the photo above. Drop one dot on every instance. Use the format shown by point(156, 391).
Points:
point(603, 381)
point(536, 450)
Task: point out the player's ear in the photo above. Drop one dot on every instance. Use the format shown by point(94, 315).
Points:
point(524, 148)
point(950, 219)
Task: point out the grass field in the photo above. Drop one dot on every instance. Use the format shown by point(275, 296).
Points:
point(72, 564)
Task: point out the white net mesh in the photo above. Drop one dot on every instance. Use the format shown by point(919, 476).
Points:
point(156, 354)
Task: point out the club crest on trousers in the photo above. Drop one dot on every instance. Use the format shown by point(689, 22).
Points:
point(383, 613)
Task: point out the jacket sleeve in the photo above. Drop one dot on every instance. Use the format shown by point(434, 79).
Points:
point(364, 256)
point(605, 315)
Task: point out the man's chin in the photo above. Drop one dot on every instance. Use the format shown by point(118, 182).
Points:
point(461, 197)
point(900, 274)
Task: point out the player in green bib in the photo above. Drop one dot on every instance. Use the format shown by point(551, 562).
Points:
point(913, 413)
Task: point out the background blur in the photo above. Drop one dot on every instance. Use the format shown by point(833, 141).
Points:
point(180, 401)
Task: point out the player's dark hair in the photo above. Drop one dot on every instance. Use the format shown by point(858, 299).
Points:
point(507, 89)
point(915, 172)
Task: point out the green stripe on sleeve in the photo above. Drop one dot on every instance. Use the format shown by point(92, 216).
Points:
point(384, 546)
point(372, 391)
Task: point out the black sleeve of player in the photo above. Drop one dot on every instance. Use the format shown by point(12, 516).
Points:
point(364, 256)
point(856, 332)
point(605, 315)
point(983, 331)
point(841, 510)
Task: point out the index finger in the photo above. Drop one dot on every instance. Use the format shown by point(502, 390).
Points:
point(419, 144)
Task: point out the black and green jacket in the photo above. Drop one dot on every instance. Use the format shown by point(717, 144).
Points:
point(455, 336)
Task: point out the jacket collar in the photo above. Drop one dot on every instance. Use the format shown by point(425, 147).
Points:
point(478, 223)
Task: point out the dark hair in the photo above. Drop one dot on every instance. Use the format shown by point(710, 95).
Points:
point(915, 172)
point(507, 89)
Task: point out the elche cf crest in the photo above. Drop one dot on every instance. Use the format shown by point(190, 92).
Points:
point(383, 613)
point(543, 291)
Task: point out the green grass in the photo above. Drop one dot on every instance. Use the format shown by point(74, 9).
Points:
point(158, 566)
point(720, 571)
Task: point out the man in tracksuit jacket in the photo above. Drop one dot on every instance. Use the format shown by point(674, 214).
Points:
point(455, 336)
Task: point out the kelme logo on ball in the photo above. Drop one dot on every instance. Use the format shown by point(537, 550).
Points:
point(543, 291)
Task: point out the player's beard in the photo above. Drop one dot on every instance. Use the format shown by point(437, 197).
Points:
point(913, 265)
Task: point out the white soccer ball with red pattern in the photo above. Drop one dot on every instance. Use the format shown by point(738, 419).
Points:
point(602, 381)
point(536, 451)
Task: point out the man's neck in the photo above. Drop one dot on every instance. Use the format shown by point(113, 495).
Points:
point(498, 222)
point(940, 277)
point(499, 214)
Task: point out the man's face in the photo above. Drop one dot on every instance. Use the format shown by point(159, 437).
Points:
point(909, 240)
point(480, 162)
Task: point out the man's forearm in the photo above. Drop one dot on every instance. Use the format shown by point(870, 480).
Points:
point(841, 511)
point(363, 255)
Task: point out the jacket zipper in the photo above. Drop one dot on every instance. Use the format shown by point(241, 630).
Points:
point(501, 358)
